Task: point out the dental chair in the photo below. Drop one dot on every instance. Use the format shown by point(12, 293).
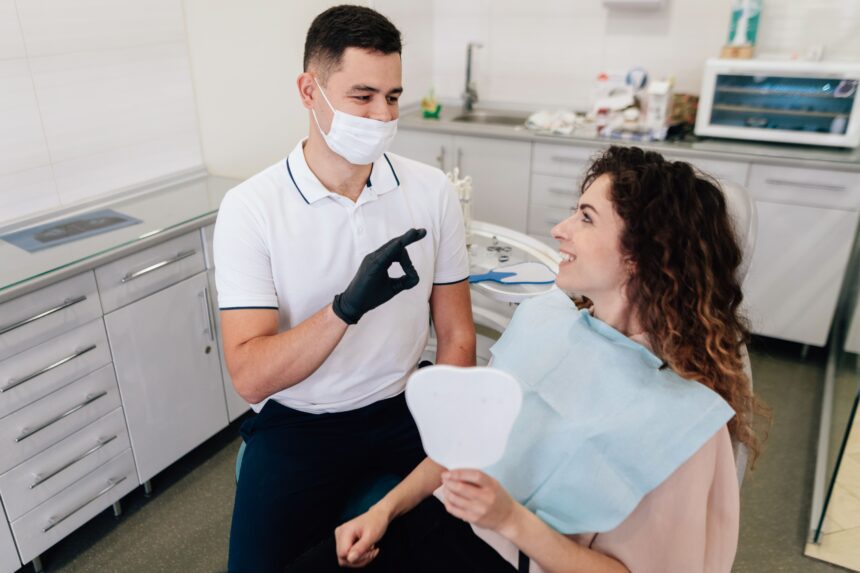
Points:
point(742, 210)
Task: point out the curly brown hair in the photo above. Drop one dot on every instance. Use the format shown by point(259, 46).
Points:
point(685, 288)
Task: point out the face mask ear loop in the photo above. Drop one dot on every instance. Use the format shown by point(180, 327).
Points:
point(325, 97)
point(314, 112)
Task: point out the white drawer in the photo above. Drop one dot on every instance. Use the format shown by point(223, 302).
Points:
point(150, 270)
point(554, 191)
point(48, 473)
point(800, 186)
point(38, 371)
point(45, 422)
point(56, 518)
point(542, 218)
point(208, 235)
point(564, 160)
point(29, 319)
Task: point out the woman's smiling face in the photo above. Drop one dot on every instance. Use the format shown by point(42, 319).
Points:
point(592, 264)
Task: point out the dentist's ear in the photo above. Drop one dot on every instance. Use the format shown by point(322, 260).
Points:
point(307, 89)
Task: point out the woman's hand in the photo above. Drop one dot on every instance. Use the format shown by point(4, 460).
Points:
point(356, 539)
point(475, 497)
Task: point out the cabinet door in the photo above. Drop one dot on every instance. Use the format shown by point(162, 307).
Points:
point(434, 149)
point(9, 561)
point(800, 258)
point(500, 179)
point(236, 405)
point(168, 371)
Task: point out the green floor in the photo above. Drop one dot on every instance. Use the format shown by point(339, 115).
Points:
point(185, 525)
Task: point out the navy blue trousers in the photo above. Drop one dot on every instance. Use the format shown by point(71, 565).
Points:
point(299, 470)
point(425, 540)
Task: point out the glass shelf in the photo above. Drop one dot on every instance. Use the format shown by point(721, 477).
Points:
point(159, 211)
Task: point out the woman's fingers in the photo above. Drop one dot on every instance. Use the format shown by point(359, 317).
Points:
point(363, 545)
point(458, 498)
point(476, 477)
point(364, 559)
point(463, 488)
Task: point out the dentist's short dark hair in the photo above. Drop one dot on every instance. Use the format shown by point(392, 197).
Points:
point(348, 26)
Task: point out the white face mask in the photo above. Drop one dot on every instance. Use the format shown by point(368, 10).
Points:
point(359, 140)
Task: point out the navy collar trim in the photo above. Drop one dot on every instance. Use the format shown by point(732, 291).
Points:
point(393, 172)
point(290, 171)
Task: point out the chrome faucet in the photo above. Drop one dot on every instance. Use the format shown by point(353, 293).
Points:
point(470, 95)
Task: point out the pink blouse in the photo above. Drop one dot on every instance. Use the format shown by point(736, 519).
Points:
point(688, 524)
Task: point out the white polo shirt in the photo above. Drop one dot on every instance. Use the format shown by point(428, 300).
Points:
point(283, 241)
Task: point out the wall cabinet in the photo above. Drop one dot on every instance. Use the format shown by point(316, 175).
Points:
point(169, 372)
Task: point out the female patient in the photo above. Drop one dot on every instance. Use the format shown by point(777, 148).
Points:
point(651, 251)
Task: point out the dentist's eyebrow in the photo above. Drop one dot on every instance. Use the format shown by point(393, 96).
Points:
point(587, 206)
point(364, 88)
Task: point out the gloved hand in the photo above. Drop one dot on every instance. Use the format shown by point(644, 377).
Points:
point(371, 286)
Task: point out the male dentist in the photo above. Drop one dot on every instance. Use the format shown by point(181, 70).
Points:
point(329, 267)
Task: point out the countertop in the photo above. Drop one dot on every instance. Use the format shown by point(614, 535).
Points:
point(166, 210)
point(737, 150)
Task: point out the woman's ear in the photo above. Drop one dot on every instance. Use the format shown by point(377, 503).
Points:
point(630, 267)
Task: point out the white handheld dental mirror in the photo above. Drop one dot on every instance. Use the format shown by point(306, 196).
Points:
point(464, 415)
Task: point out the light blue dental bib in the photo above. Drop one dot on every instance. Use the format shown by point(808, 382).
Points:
point(601, 425)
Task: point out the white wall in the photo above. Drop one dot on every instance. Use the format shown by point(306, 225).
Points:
point(95, 96)
point(549, 52)
point(245, 59)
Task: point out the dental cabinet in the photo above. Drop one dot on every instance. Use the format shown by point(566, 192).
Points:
point(110, 364)
point(9, 561)
point(165, 350)
point(808, 204)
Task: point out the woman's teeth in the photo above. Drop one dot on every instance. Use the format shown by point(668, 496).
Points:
point(566, 258)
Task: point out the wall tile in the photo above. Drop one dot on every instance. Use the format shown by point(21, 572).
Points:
point(11, 41)
point(60, 27)
point(95, 102)
point(22, 141)
point(27, 192)
point(114, 169)
point(548, 52)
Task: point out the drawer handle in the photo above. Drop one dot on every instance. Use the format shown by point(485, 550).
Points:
point(37, 373)
point(88, 400)
point(561, 159)
point(58, 519)
point(145, 271)
point(102, 442)
point(66, 304)
point(802, 185)
point(208, 303)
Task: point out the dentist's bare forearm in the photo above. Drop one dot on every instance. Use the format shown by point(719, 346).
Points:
point(415, 488)
point(264, 365)
point(457, 351)
point(451, 308)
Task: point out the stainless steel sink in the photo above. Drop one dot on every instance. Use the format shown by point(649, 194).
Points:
point(492, 118)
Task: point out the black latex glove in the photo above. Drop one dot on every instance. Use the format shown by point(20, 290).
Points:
point(371, 286)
